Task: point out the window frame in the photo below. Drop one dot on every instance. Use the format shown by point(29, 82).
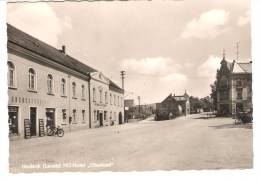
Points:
point(14, 85)
point(74, 91)
point(50, 84)
point(63, 84)
point(34, 89)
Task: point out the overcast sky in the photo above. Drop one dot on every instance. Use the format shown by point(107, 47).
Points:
point(164, 46)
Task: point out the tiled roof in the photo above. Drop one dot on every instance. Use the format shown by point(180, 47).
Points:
point(34, 45)
point(115, 87)
point(28, 42)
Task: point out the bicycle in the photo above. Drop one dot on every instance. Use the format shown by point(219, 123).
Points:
point(55, 130)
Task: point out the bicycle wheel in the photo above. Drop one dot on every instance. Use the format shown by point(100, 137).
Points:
point(60, 132)
point(50, 132)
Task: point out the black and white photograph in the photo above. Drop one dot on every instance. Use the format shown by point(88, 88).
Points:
point(123, 86)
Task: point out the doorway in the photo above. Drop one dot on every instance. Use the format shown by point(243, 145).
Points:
point(33, 117)
point(50, 116)
point(101, 119)
point(120, 119)
point(13, 120)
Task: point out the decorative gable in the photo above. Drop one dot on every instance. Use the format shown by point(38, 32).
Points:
point(98, 76)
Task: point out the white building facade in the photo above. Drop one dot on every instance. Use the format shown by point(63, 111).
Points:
point(48, 87)
point(106, 101)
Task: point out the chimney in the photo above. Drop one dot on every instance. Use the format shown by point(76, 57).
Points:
point(63, 49)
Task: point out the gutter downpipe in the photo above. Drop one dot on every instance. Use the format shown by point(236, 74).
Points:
point(89, 101)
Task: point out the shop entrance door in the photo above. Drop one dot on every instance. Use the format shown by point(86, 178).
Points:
point(13, 120)
point(50, 116)
point(33, 117)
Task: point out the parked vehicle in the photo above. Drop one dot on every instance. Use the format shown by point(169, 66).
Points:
point(52, 130)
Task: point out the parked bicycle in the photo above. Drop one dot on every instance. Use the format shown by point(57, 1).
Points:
point(52, 130)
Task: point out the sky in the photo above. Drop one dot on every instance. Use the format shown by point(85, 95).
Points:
point(164, 46)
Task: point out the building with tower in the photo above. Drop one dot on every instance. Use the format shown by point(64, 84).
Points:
point(234, 87)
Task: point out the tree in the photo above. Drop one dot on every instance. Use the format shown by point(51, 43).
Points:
point(213, 94)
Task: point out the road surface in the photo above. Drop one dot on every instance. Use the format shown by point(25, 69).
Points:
point(193, 142)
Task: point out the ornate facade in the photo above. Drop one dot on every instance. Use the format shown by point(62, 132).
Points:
point(234, 87)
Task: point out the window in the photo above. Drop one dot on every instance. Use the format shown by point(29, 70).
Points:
point(95, 115)
point(106, 98)
point(11, 74)
point(74, 115)
point(223, 95)
point(118, 100)
point(83, 92)
point(94, 94)
point(83, 116)
point(64, 116)
point(100, 96)
point(50, 84)
point(239, 83)
point(114, 99)
point(74, 89)
point(32, 79)
point(224, 82)
point(105, 115)
point(239, 93)
point(63, 87)
point(110, 98)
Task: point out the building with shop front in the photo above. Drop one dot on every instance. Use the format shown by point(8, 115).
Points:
point(234, 87)
point(47, 86)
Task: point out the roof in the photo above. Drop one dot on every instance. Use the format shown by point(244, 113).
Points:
point(247, 67)
point(37, 46)
point(113, 86)
point(32, 44)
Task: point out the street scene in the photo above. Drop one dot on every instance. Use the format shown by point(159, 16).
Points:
point(186, 143)
point(129, 86)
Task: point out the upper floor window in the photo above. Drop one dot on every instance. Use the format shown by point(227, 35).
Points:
point(100, 95)
point(94, 94)
point(114, 99)
point(106, 98)
point(74, 89)
point(32, 79)
point(224, 81)
point(110, 98)
point(118, 100)
point(11, 74)
point(63, 87)
point(239, 93)
point(83, 92)
point(50, 84)
point(239, 83)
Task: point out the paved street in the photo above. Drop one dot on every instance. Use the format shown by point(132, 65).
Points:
point(192, 142)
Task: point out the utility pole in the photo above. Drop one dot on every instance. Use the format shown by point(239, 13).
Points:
point(139, 108)
point(122, 73)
